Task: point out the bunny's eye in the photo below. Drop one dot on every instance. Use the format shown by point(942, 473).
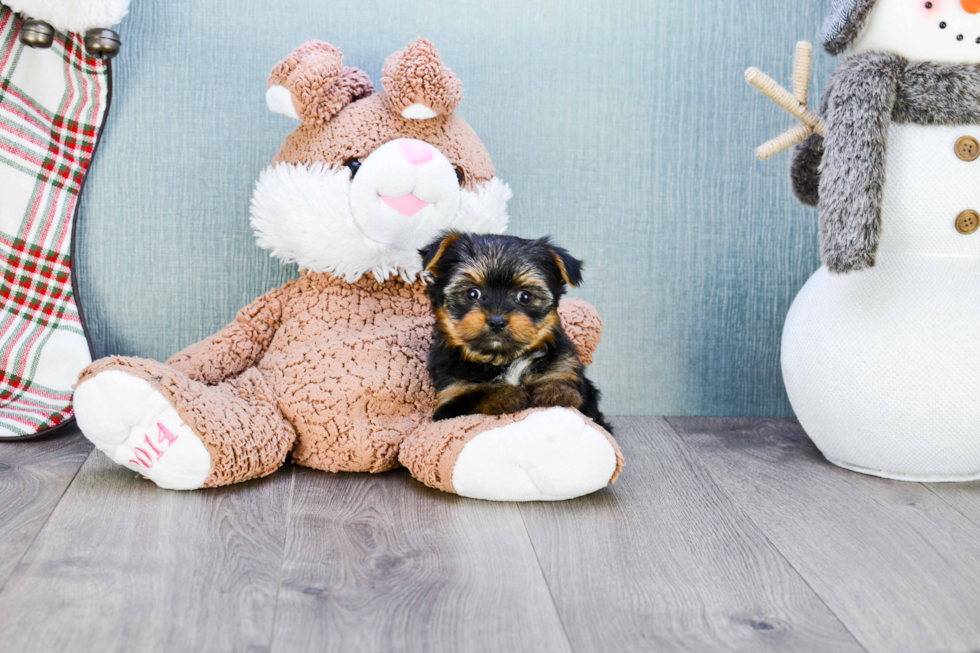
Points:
point(460, 176)
point(354, 166)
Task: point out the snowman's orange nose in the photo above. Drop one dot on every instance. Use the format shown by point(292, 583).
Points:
point(971, 6)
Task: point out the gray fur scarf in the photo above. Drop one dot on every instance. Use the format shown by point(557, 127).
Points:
point(844, 172)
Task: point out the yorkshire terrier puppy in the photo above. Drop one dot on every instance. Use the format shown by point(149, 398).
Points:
point(499, 346)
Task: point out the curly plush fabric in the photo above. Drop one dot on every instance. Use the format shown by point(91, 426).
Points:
point(416, 75)
point(334, 372)
point(431, 452)
point(239, 421)
point(235, 348)
point(364, 126)
point(312, 55)
point(320, 86)
point(583, 325)
point(330, 369)
point(344, 121)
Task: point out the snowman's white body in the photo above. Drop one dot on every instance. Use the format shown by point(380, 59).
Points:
point(882, 365)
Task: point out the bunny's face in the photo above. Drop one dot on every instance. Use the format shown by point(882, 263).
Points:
point(404, 191)
point(924, 30)
point(368, 179)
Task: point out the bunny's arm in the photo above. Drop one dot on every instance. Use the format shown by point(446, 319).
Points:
point(582, 325)
point(235, 348)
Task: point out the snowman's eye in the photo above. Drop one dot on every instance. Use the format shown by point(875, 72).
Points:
point(942, 25)
point(354, 166)
point(928, 5)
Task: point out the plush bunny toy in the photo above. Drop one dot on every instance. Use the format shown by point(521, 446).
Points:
point(880, 349)
point(330, 368)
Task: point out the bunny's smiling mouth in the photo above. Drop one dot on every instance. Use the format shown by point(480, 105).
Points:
point(406, 204)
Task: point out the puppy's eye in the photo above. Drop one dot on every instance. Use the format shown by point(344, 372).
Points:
point(354, 166)
point(460, 176)
point(473, 294)
point(524, 297)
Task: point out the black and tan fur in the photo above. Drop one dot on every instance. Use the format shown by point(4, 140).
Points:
point(499, 346)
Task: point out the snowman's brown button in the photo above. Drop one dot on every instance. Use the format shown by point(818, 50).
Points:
point(968, 222)
point(968, 148)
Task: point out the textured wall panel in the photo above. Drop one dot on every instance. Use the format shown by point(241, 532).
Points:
point(624, 128)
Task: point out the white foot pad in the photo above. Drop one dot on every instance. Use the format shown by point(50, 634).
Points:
point(133, 424)
point(549, 456)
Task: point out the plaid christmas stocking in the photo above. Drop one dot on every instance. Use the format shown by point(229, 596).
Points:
point(53, 105)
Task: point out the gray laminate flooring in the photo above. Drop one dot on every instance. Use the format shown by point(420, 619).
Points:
point(721, 535)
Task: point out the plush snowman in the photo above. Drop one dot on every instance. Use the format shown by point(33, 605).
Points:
point(881, 348)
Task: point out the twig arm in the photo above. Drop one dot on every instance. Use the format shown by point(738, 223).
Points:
point(795, 103)
point(794, 136)
point(768, 86)
point(801, 72)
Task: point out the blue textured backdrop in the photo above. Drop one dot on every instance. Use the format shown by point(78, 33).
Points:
point(624, 129)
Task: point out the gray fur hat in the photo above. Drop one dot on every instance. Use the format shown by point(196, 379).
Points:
point(844, 23)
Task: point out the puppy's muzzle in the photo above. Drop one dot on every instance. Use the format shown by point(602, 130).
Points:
point(497, 323)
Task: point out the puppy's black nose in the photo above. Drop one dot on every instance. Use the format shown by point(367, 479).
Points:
point(497, 323)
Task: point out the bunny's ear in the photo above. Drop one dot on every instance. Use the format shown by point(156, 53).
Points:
point(417, 86)
point(312, 85)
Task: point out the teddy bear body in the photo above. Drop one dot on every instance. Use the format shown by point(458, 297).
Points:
point(348, 366)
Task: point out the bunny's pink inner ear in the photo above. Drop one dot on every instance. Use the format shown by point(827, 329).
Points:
point(417, 85)
point(312, 84)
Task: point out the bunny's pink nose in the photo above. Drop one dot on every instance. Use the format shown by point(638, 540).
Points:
point(417, 152)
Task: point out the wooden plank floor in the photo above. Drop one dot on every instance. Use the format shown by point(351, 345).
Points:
point(721, 535)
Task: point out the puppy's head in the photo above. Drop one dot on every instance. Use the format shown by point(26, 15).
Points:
point(496, 297)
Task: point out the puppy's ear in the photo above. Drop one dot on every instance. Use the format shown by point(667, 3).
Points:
point(569, 266)
point(433, 253)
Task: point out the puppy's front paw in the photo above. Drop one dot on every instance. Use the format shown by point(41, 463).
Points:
point(446, 411)
point(556, 394)
point(503, 400)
